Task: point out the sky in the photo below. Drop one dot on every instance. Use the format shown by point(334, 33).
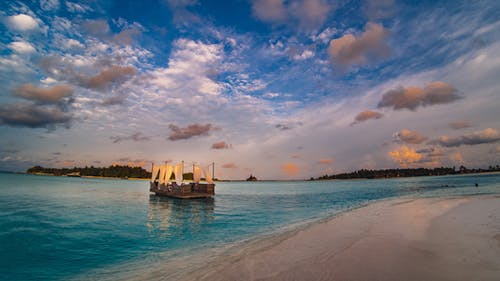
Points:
point(278, 89)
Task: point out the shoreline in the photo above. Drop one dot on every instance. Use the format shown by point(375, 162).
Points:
point(308, 251)
point(271, 180)
point(85, 177)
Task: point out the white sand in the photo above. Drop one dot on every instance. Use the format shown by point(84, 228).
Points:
point(422, 239)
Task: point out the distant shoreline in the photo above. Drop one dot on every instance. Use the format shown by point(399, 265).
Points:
point(244, 181)
point(87, 177)
point(407, 172)
point(99, 177)
point(357, 175)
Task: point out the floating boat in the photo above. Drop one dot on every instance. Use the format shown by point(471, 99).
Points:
point(161, 185)
point(74, 175)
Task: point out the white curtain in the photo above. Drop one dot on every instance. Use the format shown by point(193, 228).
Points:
point(168, 173)
point(161, 179)
point(154, 172)
point(208, 176)
point(178, 173)
point(196, 174)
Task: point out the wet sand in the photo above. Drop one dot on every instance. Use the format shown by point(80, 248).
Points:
point(420, 239)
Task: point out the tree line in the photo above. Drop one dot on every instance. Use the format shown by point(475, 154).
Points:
point(113, 171)
point(410, 172)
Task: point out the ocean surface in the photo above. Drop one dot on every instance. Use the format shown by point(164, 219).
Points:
point(59, 228)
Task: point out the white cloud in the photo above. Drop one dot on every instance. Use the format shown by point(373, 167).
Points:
point(73, 44)
point(49, 5)
point(48, 80)
point(306, 54)
point(22, 22)
point(189, 67)
point(22, 47)
point(325, 35)
point(77, 7)
point(271, 95)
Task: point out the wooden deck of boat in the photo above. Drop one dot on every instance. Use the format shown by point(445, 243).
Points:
point(184, 191)
point(192, 195)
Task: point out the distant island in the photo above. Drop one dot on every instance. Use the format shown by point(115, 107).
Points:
point(411, 172)
point(113, 171)
point(251, 178)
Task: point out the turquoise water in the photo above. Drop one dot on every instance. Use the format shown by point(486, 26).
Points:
point(58, 228)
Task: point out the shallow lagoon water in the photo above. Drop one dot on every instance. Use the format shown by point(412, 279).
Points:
point(59, 228)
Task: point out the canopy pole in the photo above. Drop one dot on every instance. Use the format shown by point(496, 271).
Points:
point(213, 170)
point(167, 180)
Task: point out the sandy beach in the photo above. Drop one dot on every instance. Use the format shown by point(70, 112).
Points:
point(402, 239)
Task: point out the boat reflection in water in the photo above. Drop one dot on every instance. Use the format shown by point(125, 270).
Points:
point(168, 217)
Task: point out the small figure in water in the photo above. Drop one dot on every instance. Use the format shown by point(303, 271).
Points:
point(476, 184)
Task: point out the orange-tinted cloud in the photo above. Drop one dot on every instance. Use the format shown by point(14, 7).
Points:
point(107, 77)
point(132, 163)
point(45, 95)
point(221, 145)
point(458, 157)
point(367, 115)
point(290, 169)
point(67, 163)
point(408, 136)
point(325, 161)
point(350, 49)
point(413, 97)
point(307, 14)
point(405, 156)
point(229, 166)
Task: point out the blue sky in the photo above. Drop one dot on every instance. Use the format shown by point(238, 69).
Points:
point(280, 89)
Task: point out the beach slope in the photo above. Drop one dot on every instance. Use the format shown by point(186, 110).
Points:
point(420, 239)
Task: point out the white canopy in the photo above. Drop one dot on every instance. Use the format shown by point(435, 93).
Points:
point(163, 171)
point(178, 171)
point(208, 176)
point(168, 173)
point(154, 172)
point(196, 174)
